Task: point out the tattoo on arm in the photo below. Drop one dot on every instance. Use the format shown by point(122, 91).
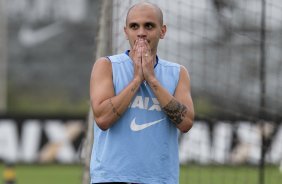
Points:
point(175, 111)
point(134, 88)
point(155, 87)
point(113, 108)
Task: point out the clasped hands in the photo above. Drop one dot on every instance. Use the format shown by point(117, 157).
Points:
point(143, 60)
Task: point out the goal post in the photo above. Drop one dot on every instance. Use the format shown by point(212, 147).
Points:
point(103, 42)
point(3, 56)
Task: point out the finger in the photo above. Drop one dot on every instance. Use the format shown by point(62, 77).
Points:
point(135, 46)
point(142, 52)
point(145, 53)
point(139, 53)
point(148, 49)
point(141, 42)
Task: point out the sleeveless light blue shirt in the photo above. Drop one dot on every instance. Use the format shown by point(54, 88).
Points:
point(142, 146)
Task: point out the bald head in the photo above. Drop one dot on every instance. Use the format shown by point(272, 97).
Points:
point(155, 7)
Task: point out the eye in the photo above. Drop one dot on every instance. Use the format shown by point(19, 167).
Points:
point(149, 26)
point(134, 26)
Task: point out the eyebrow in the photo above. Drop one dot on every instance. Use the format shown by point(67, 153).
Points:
point(149, 22)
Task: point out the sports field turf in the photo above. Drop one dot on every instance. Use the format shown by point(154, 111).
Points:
point(71, 174)
point(228, 175)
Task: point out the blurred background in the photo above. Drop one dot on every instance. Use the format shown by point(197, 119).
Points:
point(232, 49)
point(49, 55)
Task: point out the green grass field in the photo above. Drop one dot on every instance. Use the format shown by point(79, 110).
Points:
point(195, 174)
point(47, 174)
point(71, 174)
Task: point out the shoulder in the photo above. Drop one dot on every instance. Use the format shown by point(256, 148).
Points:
point(102, 65)
point(167, 63)
point(184, 70)
point(118, 58)
point(184, 75)
point(102, 61)
point(181, 70)
point(107, 60)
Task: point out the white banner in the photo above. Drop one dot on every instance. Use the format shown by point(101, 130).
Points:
point(41, 141)
point(55, 140)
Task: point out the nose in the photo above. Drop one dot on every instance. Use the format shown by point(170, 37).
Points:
point(141, 33)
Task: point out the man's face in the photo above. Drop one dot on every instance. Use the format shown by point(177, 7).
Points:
point(144, 22)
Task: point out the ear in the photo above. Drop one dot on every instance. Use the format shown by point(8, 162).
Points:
point(125, 32)
point(163, 31)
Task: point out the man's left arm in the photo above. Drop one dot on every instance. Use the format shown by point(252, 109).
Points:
point(178, 107)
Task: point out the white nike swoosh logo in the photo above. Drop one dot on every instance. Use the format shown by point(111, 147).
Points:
point(136, 127)
point(30, 38)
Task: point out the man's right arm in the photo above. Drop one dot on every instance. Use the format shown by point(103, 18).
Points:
point(106, 105)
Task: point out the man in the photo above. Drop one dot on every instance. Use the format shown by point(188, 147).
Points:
point(139, 103)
